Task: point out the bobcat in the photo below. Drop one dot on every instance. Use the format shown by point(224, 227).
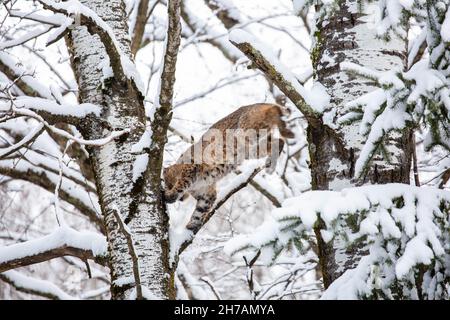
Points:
point(198, 178)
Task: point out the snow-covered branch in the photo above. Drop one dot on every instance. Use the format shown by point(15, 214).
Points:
point(63, 241)
point(123, 67)
point(311, 104)
point(50, 110)
point(403, 228)
point(34, 286)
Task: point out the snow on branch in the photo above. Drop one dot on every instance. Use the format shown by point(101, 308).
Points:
point(14, 70)
point(29, 113)
point(51, 110)
point(122, 66)
point(311, 104)
point(404, 228)
point(64, 241)
point(28, 138)
point(403, 100)
point(34, 286)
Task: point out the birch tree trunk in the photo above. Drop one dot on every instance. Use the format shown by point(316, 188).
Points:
point(347, 35)
point(138, 203)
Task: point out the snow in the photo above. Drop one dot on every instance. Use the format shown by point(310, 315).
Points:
point(144, 142)
point(75, 7)
point(177, 235)
point(63, 236)
point(42, 286)
point(139, 166)
point(445, 28)
point(406, 234)
point(317, 98)
point(14, 65)
point(50, 106)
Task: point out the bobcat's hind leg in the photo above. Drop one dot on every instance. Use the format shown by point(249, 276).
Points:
point(206, 197)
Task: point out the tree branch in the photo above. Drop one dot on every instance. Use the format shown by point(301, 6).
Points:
point(34, 286)
point(142, 16)
point(286, 85)
point(242, 181)
point(62, 242)
point(47, 180)
point(134, 256)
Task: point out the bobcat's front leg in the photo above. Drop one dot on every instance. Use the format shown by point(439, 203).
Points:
point(206, 197)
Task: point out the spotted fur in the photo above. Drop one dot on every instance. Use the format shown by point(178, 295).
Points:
point(199, 180)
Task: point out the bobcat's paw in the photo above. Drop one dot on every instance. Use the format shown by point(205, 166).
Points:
point(194, 224)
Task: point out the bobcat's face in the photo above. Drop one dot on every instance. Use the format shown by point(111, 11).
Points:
point(169, 177)
point(177, 179)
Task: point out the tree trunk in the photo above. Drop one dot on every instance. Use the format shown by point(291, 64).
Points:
point(346, 35)
point(138, 203)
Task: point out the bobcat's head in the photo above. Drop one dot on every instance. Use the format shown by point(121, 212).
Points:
point(170, 176)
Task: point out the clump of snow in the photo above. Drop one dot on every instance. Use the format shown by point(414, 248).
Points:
point(63, 236)
point(50, 106)
point(144, 142)
point(139, 166)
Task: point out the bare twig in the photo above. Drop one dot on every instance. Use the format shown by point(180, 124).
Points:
point(211, 286)
point(142, 16)
point(134, 257)
point(249, 274)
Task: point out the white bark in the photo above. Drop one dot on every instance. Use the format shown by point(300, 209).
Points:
point(113, 163)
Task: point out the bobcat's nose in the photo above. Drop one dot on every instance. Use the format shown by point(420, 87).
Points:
point(170, 197)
